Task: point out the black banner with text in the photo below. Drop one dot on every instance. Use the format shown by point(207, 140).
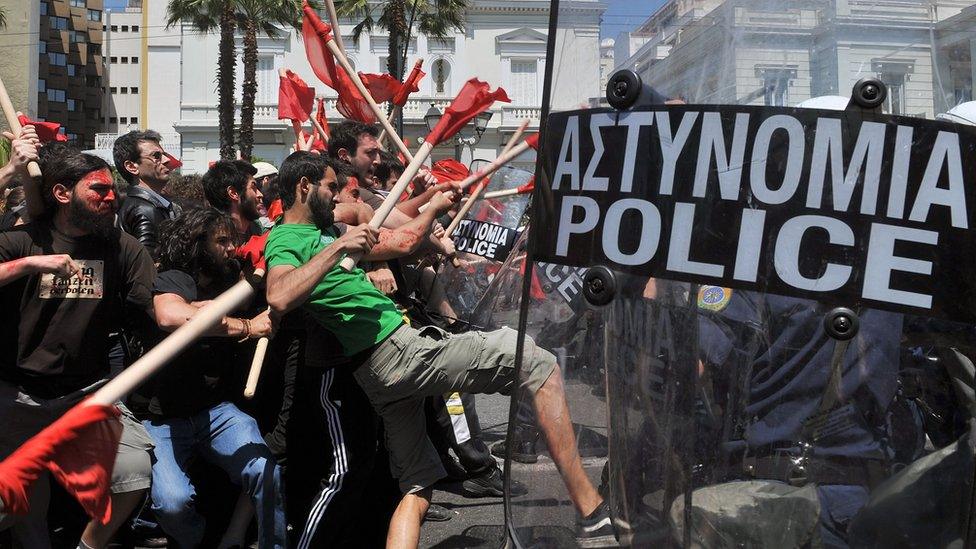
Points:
point(842, 207)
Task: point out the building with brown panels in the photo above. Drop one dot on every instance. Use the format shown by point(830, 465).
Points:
point(70, 67)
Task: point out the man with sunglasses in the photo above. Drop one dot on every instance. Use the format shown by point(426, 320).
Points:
point(145, 166)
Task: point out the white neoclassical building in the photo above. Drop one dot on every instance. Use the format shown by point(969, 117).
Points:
point(503, 43)
point(742, 52)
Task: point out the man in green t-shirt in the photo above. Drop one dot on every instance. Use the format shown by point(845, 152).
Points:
point(396, 365)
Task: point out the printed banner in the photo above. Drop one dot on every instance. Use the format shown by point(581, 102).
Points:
point(842, 207)
point(89, 284)
point(485, 239)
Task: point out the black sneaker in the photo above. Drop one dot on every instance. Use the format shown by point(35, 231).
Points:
point(596, 530)
point(438, 513)
point(490, 483)
point(525, 451)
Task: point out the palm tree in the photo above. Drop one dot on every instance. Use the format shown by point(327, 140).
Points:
point(259, 16)
point(401, 18)
point(3, 17)
point(206, 15)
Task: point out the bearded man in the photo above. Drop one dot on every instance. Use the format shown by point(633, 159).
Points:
point(191, 415)
point(67, 281)
point(231, 188)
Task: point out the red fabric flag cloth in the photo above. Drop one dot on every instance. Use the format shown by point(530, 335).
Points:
point(533, 141)
point(382, 87)
point(528, 187)
point(294, 98)
point(276, 209)
point(171, 161)
point(316, 34)
point(448, 169)
point(252, 251)
point(321, 118)
point(46, 131)
point(78, 449)
point(474, 98)
point(410, 85)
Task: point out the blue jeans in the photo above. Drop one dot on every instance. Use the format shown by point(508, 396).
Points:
point(228, 438)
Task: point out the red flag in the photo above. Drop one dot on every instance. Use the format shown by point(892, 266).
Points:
point(474, 98)
point(528, 187)
point(171, 161)
point(321, 118)
point(253, 250)
point(294, 97)
point(46, 131)
point(382, 87)
point(78, 449)
point(316, 34)
point(449, 169)
point(410, 85)
point(533, 141)
point(276, 209)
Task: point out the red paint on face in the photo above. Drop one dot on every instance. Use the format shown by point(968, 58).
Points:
point(98, 190)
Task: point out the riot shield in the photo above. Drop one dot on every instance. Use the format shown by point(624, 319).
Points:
point(484, 240)
point(768, 334)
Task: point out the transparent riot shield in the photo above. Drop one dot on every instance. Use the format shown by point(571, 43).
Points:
point(484, 240)
point(751, 255)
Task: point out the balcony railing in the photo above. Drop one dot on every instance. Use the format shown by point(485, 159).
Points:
point(105, 141)
point(413, 112)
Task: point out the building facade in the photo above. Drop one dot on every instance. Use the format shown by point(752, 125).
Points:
point(19, 62)
point(503, 42)
point(741, 52)
point(123, 47)
point(70, 66)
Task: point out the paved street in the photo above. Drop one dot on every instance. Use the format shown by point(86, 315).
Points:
point(479, 523)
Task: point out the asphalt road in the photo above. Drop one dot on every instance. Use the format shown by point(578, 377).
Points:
point(544, 513)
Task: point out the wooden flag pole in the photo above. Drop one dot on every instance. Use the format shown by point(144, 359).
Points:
point(393, 114)
point(35, 203)
point(466, 207)
point(256, 363)
point(157, 357)
point(321, 130)
point(354, 76)
point(334, 19)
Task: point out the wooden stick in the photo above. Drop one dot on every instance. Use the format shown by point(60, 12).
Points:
point(252, 376)
point(477, 192)
point(321, 130)
point(35, 202)
point(393, 114)
point(500, 194)
point(466, 207)
point(157, 357)
point(334, 48)
point(334, 19)
point(391, 199)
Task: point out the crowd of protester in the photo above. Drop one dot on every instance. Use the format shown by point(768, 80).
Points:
point(349, 428)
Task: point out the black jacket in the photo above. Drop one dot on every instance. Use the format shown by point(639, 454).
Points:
point(140, 216)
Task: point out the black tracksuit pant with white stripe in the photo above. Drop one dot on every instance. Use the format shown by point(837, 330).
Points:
point(340, 492)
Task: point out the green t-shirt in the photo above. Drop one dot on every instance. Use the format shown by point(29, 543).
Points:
point(345, 303)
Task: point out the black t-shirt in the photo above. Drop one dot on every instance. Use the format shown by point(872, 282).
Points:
point(205, 373)
point(60, 327)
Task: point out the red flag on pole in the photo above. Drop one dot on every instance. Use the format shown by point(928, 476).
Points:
point(382, 87)
point(533, 141)
point(316, 34)
point(46, 131)
point(294, 97)
point(448, 169)
point(252, 251)
point(321, 118)
point(473, 99)
point(410, 85)
point(78, 449)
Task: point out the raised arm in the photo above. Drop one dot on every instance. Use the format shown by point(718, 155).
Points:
point(173, 311)
point(408, 238)
point(289, 287)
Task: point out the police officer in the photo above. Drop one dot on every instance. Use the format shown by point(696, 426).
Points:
point(814, 406)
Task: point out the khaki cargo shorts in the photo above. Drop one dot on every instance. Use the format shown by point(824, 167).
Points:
point(412, 364)
point(24, 415)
